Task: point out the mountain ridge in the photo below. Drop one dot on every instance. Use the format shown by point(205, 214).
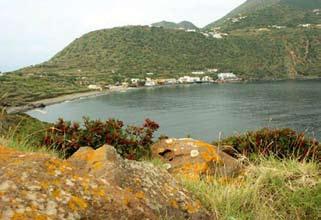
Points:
point(172, 25)
point(256, 13)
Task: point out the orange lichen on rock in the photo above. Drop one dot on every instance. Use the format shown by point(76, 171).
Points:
point(194, 158)
point(76, 203)
point(91, 185)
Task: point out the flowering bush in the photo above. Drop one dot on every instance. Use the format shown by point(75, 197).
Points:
point(282, 143)
point(131, 142)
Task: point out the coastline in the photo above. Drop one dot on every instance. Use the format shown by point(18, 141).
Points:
point(74, 96)
point(60, 99)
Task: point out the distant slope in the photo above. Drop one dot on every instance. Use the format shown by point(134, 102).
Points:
point(171, 25)
point(258, 13)
point(111, 55)
point(134, 51)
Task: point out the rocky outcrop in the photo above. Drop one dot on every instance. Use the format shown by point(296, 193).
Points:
point(193, 158)
point(92, 184)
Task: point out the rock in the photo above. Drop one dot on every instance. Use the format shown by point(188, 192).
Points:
point(193, 158)
point(92, 184)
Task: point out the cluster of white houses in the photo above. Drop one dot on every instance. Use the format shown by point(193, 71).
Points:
point(198, 77)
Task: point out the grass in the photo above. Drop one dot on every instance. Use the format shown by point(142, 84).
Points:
point(24, 146)
point(273, 189)
point(22, 132)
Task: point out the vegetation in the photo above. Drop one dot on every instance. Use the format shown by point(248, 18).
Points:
point(23, 133)
point(270, 189)
point(260, 13)
point(107, 56)
point(280, 143)
point(171, 25)
point(131, 142)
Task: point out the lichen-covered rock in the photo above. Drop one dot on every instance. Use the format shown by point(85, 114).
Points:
point(193, 158)
point(90, 185)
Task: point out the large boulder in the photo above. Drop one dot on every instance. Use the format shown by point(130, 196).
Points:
point(92, 184)
point(194, 158)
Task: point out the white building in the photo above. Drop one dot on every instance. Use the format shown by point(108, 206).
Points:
point(205, 34)
point(135, 80)
point(206, 79)
point(149, 82)
point(95, 87)
point(170, 81)
point(212, 70)
point(189, 79)
point(227, 76)
point(305, 25)
point(278, 27)
point(217, 35)
point(149, 74)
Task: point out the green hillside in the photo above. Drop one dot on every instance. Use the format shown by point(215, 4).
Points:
point(252, 49)
point(111, 55)
point(171, 25)
point(262, 13)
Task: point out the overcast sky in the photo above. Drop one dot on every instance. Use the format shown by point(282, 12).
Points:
point(32, 31)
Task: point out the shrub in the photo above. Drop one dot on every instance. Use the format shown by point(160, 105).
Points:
point(131, 142)
point(281, 143)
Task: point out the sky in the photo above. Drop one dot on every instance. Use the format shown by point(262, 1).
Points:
point(33, 31)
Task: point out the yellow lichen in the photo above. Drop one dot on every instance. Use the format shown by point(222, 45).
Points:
point(56, 193)
point(192, 208)
point(29, 215)
point(99, 192)
point(140, 195)
point(76, 203)
point(174, 204)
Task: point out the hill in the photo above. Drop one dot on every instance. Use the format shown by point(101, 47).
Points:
point(261, 13)
point(186, 25)
point(111, 55)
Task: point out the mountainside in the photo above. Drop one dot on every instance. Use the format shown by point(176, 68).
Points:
point(186, 25)
point(261, 13)
point(255, 46)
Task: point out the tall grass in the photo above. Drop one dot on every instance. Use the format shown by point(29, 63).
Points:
point(271, 189)
point(22, 134)
point(24, 146)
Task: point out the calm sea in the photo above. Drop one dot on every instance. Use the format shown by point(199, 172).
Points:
point(205, 112)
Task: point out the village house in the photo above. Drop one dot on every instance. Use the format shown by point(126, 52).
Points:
point(207, 79)
point(188, 79)
point(95, 87)
point(125, 84)
point(205, 34)
point(304, 25)
point(278, 27)
point(317, 11)
point(150, 82)
point(227, 77)
point(212, 70)
point(170, 81)
point(135, 81)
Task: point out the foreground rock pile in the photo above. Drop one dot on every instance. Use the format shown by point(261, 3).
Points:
point(90, 185)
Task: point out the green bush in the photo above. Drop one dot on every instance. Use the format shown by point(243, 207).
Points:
point(281, 143)
point(131, 142)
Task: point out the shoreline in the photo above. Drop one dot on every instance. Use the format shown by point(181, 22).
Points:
point(74, 96)
point(60, 99)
